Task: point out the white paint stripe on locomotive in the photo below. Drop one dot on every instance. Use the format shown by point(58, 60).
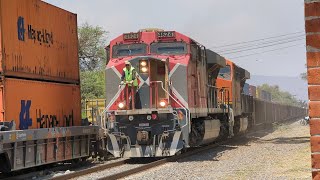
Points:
point(174, 69)
point(159, 149)
point(116, 71)
point(142, 82)
point(115, 145)
point(119, 91)
point(180, 98)
point(174, 144)
point(138, 151)
point(115, 97)
point(148, 81)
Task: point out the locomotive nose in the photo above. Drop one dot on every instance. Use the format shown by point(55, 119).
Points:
point(153, 84)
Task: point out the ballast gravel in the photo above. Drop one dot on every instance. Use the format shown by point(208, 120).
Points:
point(280, 153)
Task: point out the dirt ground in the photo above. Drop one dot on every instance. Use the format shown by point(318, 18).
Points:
point(280, 153)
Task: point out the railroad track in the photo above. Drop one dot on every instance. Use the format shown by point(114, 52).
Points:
point(140, 168)
point(90, 170)
point(121, 165)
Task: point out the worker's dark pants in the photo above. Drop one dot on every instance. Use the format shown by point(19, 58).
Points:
point(137, 101)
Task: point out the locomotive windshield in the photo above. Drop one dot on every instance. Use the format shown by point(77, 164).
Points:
point(225, 73)
point(129, 50)
point(169, 48)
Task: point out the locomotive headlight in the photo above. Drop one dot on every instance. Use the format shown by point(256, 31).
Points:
point(143, 63)
point(144, 69)
point(130, 118)
point(163, 103)
point(149, 117)
point(143, 66)
point(121, 105)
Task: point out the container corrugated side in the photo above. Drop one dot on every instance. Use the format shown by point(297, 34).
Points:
point(38, 41)
point(35, 104)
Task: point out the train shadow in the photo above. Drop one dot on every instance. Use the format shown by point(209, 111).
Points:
point(286, 140)
point(142, 160)
point(255, 136)
point(209, 155)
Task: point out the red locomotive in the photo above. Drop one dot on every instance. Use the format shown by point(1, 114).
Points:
point(179, 94)
point(180, 102)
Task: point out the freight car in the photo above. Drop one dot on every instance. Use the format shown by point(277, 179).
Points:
point(38, 41)
point(189, 96)
point(40, 104)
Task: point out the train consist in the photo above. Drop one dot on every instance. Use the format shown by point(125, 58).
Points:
point(189, 96)
point(186, 95)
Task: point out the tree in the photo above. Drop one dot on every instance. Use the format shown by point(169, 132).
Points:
point(92, 58)
point(92, 40)
point(92, 84)
point(279, 96)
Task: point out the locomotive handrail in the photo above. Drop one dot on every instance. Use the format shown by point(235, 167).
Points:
point(103, 113)
point(185, 108)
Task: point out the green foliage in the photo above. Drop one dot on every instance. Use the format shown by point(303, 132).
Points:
point(92, 59)
point(92, 84)
point(279, 96)
point(92, 40)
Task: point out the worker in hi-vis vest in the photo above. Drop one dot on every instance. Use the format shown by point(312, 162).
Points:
point(129, 77)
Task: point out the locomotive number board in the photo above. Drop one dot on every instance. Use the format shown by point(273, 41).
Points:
point(165, 34)
point(131, 36)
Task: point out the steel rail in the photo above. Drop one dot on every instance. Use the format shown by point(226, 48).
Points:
point(163, 161)
point(90, 170)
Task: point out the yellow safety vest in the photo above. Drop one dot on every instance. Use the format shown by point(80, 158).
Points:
point(128, 76)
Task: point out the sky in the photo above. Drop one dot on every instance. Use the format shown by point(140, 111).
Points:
point(213, 23)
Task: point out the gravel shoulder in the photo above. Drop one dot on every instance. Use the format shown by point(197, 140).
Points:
point(280, 153)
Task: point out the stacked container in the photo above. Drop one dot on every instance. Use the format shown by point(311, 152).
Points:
point(39, 65)
point(253, 90)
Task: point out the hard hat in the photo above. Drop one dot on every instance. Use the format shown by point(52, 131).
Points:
point(127, 62)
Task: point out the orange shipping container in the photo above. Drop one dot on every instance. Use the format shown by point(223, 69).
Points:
point(38, 41)
point(34, 104)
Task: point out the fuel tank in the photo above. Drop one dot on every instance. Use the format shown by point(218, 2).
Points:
point(211, 131)
point(204, 131)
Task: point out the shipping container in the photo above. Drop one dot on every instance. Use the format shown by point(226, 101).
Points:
point(246, 89)
point(253, 90)
point(38, 41)
point(35, 104)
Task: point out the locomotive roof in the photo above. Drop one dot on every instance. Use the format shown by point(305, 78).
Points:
point(214, 58)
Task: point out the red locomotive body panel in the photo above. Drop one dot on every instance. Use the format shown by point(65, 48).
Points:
point(176, 62)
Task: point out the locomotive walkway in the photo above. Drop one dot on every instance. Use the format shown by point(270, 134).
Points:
point(281, 153)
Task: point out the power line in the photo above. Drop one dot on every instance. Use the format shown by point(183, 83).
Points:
point(263, 43)
point(249, 49)
point(266, 51)
point(272, 37)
